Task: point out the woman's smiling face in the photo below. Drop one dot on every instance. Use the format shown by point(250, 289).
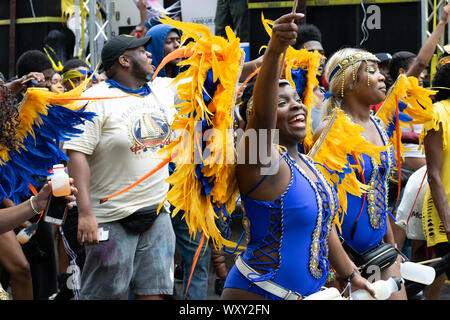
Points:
point(291, 115)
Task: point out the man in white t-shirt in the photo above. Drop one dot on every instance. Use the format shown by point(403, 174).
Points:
point(116, 149)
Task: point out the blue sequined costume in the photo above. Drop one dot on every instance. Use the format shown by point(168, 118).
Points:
point(372, 222)
point(289, 235)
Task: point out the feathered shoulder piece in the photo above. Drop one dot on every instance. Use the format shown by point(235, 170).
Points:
point(44, 119)
point(406, 103)
point(300, 68)
point(340, 140)
point(68, 9)
point(440, 120)
point(203, 183)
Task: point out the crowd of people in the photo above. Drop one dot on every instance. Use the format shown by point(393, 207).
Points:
point(299, 241)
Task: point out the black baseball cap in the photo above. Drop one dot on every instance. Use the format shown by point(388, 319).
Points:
point(383, 56)
point(117, 45)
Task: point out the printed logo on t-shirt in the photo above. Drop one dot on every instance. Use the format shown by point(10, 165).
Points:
point(149, 131)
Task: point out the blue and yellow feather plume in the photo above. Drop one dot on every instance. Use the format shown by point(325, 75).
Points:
point(40, 126)
point(203, 182)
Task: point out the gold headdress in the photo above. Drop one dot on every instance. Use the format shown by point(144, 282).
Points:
point(351, 61)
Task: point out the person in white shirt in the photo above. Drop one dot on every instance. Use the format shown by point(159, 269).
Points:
point(116, 149)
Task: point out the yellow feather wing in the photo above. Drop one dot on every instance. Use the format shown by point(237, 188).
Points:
point(344, 139)
point(224, 57)
point(418, 101)
point(35, 103)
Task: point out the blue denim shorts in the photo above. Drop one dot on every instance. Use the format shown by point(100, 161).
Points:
point(142, 263)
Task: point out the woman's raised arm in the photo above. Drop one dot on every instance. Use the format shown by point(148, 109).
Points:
point(265, 94)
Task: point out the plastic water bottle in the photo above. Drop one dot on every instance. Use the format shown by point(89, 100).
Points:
point(60, 181)
point(417, 272)
point(383, 289)
point(25, 234)
point(325, 294)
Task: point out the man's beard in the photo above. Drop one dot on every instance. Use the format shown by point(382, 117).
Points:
point(139, 72)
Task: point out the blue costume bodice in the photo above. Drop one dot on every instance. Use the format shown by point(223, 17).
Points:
point(372, 219)
point(288, 243)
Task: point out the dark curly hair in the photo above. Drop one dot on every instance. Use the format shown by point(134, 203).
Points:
point(441, 81)
point(305, 33)
point(8, 118)
point(32, 61)
point(401, 59)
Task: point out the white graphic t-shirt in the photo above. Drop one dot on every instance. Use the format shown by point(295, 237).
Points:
point(413, 148)
point(121, 145)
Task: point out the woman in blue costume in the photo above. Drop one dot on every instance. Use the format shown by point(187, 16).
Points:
point(355, 85)
point(289, 206)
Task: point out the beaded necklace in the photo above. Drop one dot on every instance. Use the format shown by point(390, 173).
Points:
point(326, 211)
point(374, 183)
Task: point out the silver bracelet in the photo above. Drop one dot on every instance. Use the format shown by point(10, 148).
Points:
point(32, 206)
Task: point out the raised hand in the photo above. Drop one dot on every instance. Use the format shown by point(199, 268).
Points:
point(284, 32)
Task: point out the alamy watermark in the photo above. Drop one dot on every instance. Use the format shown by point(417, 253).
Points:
point(252, 147)
point(374, 17)
point(375, 273)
